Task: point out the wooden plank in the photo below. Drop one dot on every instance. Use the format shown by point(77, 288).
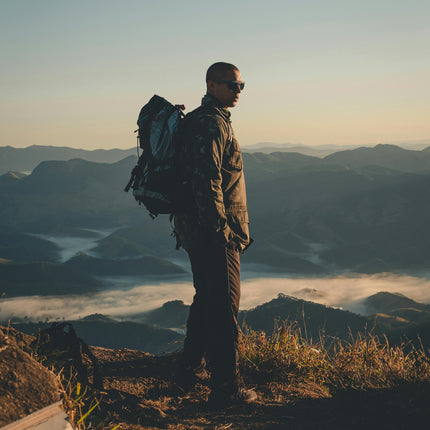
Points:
point(50, 418)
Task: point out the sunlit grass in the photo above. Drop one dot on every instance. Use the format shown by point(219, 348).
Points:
point(364, 362)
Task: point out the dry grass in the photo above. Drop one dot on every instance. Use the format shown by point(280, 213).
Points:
point(364, 362)
point(282, 365)
point(80, 401)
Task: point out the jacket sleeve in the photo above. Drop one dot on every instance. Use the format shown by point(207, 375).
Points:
point(209, 142)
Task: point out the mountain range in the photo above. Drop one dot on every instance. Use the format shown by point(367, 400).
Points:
point(43, 278)
point(152, 331)
point(26, 159)
point(99, 330)
point(362, 210)
point(385, 313)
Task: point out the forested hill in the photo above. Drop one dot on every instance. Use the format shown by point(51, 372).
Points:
point(26, 159)
point(363, 210)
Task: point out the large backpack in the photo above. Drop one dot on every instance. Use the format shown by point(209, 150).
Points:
point(156, 180)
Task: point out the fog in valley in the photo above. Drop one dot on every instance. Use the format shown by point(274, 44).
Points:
point(126, 301)
point(332, 230)
point(71, 245)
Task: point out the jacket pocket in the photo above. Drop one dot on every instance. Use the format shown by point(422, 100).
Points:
point(237, 214)
point(234, 162)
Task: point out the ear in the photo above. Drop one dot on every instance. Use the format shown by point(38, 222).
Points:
point(211, 87)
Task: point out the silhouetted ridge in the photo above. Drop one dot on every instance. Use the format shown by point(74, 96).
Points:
point(26, 159)
point(147, 265)
point(389, 156)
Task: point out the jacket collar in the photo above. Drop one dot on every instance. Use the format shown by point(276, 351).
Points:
point(210, 101)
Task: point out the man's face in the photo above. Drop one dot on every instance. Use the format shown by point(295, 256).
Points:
point(221, 91)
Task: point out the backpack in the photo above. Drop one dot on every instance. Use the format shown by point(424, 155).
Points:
point(156, 179)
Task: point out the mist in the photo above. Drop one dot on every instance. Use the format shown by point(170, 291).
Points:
point(345, 292)
point(69, 246)
point(124, 302)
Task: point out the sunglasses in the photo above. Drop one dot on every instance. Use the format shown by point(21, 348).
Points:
point(233, 85)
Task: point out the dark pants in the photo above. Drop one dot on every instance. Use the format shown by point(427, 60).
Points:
point(212, 330)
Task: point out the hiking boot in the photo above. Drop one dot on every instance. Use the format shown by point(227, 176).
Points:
point(200, 373)
point(187, 377)
point(219, 398)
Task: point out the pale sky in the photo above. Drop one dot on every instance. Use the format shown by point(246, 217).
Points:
point(75, 73)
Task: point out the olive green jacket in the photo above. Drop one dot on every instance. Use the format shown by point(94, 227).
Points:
point(215, 172)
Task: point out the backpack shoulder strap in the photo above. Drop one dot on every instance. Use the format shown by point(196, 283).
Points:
point(212, 110)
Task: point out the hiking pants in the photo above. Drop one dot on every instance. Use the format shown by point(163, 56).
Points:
point(212, 331)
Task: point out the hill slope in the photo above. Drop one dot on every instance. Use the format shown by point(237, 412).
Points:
point(147, 265)
point(26, 159)
point(30, 279)
point(307, 215)
point(390, 156)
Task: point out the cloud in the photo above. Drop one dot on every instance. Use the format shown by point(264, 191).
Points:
point(115, 303)
point(69, 246)
point(339, 291)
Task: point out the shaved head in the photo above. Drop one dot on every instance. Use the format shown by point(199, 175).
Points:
point(217, 71)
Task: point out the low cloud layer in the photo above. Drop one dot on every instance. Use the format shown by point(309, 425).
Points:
point(69, 246)
point(340, 291)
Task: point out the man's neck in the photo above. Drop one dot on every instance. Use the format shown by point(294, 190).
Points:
point(209, 98)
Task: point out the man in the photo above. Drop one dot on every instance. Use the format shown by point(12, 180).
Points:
point(214, 231)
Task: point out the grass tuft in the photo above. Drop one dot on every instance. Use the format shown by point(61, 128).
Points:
point(364, 362)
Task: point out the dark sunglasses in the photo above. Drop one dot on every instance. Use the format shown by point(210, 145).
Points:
point(233, 85)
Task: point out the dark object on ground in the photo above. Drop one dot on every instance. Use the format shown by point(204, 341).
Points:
point(187, 377)
point(220, 400)
point(59, 341)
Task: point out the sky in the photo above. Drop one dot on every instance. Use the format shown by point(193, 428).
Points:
point(317, 72)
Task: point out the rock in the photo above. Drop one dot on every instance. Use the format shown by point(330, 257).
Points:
point(25, 385)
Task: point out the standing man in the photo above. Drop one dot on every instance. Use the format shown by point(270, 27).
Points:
point(214, 231)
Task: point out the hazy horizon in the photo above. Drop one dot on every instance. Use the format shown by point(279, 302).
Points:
point(346, 73)
point(408, 144)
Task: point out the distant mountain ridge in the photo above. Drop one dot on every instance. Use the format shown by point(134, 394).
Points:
point(42, 278)
point(105, 332)
point(385, 313)
point(26, 159)
point(390, 156)
point(349, 211)
point(147, 265)
point(399, 306)
point(322, 151)
point(151, 330)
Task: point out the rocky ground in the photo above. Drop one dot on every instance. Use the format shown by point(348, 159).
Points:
point(25, 384)
point(138, 393)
